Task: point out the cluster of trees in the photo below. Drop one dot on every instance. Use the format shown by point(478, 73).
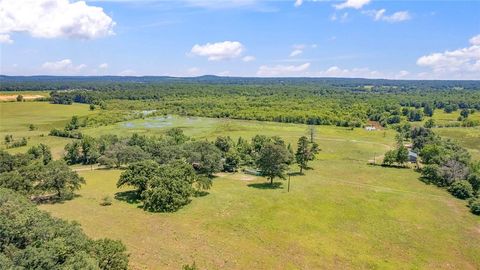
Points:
point(32, 239)
point(447, 164)
point(168, 170)
point(36, 175)
point(70, 130)
point(317, 102)
point(10, 142)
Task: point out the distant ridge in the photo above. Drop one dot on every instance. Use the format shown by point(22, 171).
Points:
point(28, 82)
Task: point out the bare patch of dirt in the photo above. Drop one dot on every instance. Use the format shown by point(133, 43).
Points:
point(14, 97)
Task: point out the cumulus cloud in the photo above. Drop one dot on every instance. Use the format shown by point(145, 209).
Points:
point(63, 67)
point(282, 70)
point(103, 66)
point(298, 3)
point(219, 51)
point(459, 63)
point(4, 38)
point(248, 58)
point(54, 18)
point(380, 15)
point(356, 4)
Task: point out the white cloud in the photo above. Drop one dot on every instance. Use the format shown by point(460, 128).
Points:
point(296, 52)
point(475, 40)
point(460, 63)
point(282, 70)
point(379, 15)
point(336, 71)
point(221, 4)
point(63, 67)
point(4, 38)
point(223, 73)
point(103, 66)
point(219, 51)
point(193, 71)
point(248, 58)
point(298, 3)
point(356, 4)
point(127, 72)
point(342, 18)
point(54, 18)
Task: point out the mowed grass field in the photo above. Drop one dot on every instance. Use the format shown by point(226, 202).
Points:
point(342, 214)
point(15, 118)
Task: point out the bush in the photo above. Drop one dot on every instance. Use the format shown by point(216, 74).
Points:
point(461, 189)
point(474, 205)
point(390, 158)
point(106, 201)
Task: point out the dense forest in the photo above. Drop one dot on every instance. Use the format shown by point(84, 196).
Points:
point(317, 101)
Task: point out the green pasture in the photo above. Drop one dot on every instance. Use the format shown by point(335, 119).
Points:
point(466, 137)
point(15, 118)
point(342, 214)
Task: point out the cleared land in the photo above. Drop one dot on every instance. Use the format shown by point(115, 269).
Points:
point(343, 214)
point(15, 118)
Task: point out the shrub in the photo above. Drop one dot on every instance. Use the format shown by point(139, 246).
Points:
point(461, 189)
point(106, 201)
point(474, 205)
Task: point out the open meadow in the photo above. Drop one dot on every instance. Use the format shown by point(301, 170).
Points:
point(342, 213)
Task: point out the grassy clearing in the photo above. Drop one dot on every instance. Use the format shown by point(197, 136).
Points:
point(466, 137)
point(343, 214)
point(15, 118)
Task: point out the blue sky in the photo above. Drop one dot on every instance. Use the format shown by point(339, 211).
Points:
point(349, 38)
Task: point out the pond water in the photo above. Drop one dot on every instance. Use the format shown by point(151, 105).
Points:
point(159, 122)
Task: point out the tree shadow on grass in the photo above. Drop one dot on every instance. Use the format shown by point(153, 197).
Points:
point(200, 193)
point(275, 185)
point(130, 196)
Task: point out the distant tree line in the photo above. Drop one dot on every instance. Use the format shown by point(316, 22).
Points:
point(308, 103)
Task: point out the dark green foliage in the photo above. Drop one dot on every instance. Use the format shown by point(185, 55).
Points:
point(171, 187)
point(193, 266)
point(41, 151)
point(461, 189)
point(139, 175)
point(10, 142)
point(402, 155)
point(306, 152)
point(31, 239)
point(430, 123)
point(272, 161)
point(110, 254)
point(474, 180)
point(474, 205)
point(390, 157)
point(232, 161)
point(205, 156)
point(177, 135)
point(28, 174)
point(59, 178)
point(223, 143)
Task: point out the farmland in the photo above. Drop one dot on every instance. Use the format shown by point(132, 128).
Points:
point(364, 217)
